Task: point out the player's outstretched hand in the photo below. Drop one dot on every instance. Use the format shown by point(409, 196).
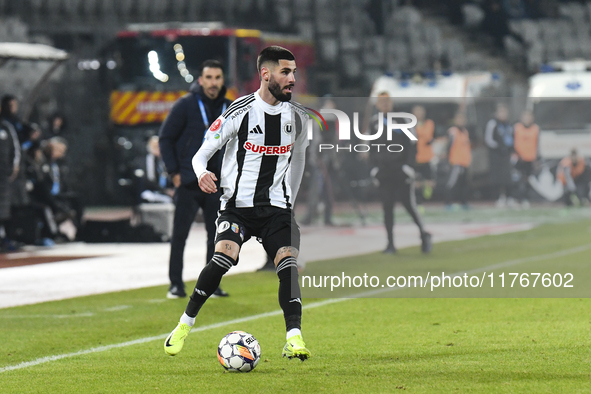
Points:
point(207, 182)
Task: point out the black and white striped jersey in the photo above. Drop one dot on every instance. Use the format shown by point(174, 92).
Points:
point(264, 159)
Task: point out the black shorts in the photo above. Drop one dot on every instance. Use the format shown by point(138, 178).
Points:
point(274, 227)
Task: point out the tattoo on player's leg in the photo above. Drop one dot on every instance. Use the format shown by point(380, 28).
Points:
point(286, 251)
point(229, 248)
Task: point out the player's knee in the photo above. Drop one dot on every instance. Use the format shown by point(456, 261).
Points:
point(229, 248)
point(286, 251)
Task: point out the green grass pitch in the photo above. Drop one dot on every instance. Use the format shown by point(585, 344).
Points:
point(384, 345)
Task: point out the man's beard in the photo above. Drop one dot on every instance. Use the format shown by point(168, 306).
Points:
point(276, 91)
point(214, 91)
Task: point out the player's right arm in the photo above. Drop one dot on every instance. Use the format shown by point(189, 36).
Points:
point(220, 132)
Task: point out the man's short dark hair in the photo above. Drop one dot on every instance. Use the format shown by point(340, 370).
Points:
point(211, 63)
point(5, 104)
point(273, 54)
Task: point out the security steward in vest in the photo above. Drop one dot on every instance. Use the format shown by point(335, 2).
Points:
point(460, 158)
point(181, 136)
point(526, 136)
point(425, 135)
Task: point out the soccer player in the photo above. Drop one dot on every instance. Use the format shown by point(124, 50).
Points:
point(396, 176)
point(261, 173)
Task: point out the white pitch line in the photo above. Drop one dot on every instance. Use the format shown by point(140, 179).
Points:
point(117, 308)
point(99, 349)
point(46, 316)
point(560, 253)
point(492, 267)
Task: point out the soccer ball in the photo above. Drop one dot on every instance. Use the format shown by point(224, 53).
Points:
point(239, 351)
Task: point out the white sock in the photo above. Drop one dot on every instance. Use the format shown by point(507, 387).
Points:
point(190, 321)
point(293, 332)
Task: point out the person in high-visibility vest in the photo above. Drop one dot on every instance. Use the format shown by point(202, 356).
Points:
point(425, 131)
point(575, 175)
point(459, 157)
point(526, 136)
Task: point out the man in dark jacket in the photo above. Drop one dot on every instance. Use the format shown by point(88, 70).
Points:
point(181, 136)
point(9, 167)
point(498, 137)
point(395, 174)
point(26, 136)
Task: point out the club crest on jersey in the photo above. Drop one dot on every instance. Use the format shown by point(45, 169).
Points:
point(235, 228)
point(223, 226)
point(216, 125)
point(287, 128)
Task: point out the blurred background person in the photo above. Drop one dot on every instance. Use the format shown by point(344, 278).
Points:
point(9, 169)
point(395, 175)
point(460, 157)
point(26, 135)
point(575, 176)
point(9, 112)
point(49, 186)
point(154, 184)
point(498, 137)
point(181, 136)
point(526, 144)
point(425, 129)
point(495, 22)
point(42, 206)
point(56, 126)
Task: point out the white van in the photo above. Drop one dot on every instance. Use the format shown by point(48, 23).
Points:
point(561, 102)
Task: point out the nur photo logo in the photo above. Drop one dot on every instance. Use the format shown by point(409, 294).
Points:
point(389, 123)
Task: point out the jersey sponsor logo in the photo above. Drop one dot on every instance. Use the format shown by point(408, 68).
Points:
point(223, 226)
point(216, 125)
point(240, 111)
point(216, 136)
point(287, 128)
point(256, 130)
point(268, 150)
